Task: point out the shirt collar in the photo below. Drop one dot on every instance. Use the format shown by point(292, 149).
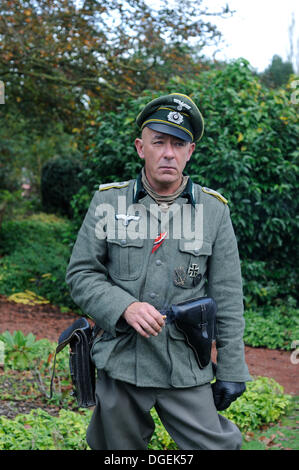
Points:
point(139, 192)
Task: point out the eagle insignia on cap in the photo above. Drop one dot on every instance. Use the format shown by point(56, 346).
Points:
point(181, 104)
point(175, 117)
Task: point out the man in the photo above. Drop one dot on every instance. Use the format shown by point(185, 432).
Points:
point(147, 244)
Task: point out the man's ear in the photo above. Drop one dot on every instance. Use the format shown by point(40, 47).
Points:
point(139, 147)
point(191, 150)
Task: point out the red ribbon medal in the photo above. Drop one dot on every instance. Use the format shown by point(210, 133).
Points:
point(158, 241)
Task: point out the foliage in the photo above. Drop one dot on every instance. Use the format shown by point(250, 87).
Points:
point(278, 72)
point(19, 348)
point(59, 58)
point(21, 268)
point(25, 147)
point(27, 298)
point(39, 430)
point(262, 403)
point(275, 328)
point(59, 183)
point(269, 284)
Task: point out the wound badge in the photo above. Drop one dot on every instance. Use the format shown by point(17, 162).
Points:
point(179, 276)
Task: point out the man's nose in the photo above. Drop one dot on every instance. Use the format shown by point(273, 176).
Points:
point(168, 150)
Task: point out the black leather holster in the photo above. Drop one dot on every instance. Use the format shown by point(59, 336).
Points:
point(79, 336)
point(197, 319)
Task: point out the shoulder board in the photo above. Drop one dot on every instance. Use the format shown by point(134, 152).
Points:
point(215, 194)
point(116, 185)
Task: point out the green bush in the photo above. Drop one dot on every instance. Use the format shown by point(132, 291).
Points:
point(35, 253)
point(269, 284)
point(274, 329)
point(262, 403)
point(59, 183)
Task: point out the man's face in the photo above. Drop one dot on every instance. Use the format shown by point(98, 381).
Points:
point(165, 159)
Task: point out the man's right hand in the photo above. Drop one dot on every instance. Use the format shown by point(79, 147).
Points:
point(144, 318)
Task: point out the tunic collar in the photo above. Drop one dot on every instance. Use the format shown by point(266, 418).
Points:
point(139, 192)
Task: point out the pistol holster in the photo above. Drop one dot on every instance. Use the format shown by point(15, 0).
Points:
point(197, 319)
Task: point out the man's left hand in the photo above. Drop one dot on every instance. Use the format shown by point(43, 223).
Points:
point(226, 392)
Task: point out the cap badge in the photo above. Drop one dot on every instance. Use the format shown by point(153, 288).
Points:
point(175, 117)
point(181, 104)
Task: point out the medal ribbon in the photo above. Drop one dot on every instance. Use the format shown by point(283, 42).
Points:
point(158, 241)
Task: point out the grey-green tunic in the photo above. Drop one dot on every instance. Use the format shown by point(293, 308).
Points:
point(109, 269)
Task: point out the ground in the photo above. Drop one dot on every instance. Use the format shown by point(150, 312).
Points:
point(47, 321)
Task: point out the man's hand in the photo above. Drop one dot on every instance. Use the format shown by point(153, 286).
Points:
point(144, 318)
point(226, 392)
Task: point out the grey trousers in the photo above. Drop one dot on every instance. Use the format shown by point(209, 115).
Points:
point(121, 419)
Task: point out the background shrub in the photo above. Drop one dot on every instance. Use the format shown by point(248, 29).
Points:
point(36, 252)
point(59, 183)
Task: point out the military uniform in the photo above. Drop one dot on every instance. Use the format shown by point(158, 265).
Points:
point(113, 264)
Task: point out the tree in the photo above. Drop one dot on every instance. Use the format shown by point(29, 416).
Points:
point(59, 57)
point(278, 72)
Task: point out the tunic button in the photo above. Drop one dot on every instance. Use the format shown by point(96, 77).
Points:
point(158, 262)
point(123, 242)
point(196, 252)
point(152, 295)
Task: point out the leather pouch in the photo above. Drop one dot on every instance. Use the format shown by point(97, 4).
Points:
point(79, 336)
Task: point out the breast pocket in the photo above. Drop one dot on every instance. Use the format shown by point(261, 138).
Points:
point(125, 258)
point(192, 264)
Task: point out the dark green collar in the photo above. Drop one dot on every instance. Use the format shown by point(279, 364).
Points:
point(139, 192)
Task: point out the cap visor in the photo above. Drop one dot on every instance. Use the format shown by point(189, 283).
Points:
point(166, 129)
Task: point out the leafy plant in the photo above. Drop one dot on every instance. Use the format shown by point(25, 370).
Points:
point(39, 430)
point(19, 348)
point(262, 403)
point(272, 328)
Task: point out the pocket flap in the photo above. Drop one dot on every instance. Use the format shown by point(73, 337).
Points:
point(126, 242)
point(195, 247)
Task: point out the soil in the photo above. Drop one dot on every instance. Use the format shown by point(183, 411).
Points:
point(47, 321)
